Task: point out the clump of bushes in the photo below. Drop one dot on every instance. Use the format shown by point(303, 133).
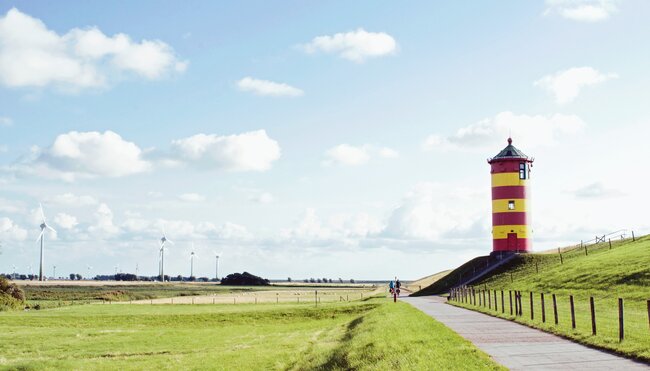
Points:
point(11, 296)
point(244, 279)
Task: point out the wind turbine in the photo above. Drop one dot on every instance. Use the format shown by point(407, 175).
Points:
point(41, 237)
point(192, 255)
point(216, 269)
point(89, 268)
point(163, 240)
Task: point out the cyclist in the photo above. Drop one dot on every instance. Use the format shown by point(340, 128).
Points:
point(398, 285)
point(391, 287)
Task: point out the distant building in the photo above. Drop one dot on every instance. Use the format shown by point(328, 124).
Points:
point(510, 219)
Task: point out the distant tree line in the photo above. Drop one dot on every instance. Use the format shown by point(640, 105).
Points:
point(323, 280)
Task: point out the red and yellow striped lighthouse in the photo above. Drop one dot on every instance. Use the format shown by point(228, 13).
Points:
point(510, 219)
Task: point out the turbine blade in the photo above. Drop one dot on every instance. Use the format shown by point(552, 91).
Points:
point(40, 206)
point(40, 235)
point(50, 228)
point(170, 241)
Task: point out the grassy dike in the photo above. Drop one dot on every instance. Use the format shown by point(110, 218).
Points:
point(604, 274)
point(371, 334)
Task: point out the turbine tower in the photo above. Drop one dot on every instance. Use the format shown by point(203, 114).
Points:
point(163, 241)
point(192, 255)
point(41, 237)
point(216, 269)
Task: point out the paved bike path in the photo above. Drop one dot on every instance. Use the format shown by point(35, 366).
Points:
point(519, 347)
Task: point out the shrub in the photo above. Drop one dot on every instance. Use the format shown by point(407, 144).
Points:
point(11, 296)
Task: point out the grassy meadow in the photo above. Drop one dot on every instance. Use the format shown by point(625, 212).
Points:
point(57, 294)
point(602, 273)
point(369, 334)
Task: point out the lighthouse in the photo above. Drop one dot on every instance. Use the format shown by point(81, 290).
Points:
point(510, 171)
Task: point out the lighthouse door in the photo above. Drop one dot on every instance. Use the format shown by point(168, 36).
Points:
point(512, 242)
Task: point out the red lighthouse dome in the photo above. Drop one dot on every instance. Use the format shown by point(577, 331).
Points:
point(510, 170)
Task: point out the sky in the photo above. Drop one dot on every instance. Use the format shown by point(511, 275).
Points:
point(313, 139)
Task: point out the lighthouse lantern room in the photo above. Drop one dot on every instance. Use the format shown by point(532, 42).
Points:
point(510, 220)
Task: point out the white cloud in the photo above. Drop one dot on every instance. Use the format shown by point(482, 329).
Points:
point(191, 197)
point(565, 85)
point(268, 88)
point(70, 199)
point(11, 231)
point(65, 221)
point(32, 55)
point(582, 10)
point(6, 121)
point(538, 130)
point(250, 151)
point(262, 198)
point(103, 226)
point(345, 154)
point(86, 155)
point(349, 155)
point(356, 45)
point(596, 190)
point(435, 211)
point(386, 152)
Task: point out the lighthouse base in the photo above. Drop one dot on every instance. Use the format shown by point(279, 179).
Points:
point(512, 244)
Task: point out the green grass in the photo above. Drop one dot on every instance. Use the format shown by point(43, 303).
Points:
point(606, 275)
point(51, 296)
point(370, 334)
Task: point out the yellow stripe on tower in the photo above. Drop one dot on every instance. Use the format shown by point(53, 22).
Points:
point(507, 179)
point(502, 206)
point(501, 231)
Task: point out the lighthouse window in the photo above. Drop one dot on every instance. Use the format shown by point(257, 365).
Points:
point(511, 205)
point(522, 171)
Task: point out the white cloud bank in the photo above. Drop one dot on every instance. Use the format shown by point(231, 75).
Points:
point(582, 10)
point(349, 155)
point(250, 151)
point(11, 231)
point(537, 130)
point(566, 85)
point(268, 88)
point(76, 155)
point(356, 46)
point(191, 197)
point(85, 155)
point(31, 55)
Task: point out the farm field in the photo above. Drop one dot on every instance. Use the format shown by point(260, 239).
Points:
point(604, 274)
point(63, 293)
point(335, 335)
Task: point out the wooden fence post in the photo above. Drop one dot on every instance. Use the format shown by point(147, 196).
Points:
point(555, 309)
point(510, 292)
point(484, 302)
point(573, 312)
point(610, 243)
point(633, 239)
point(593, 315)
point(503, 304)
point(543, 308)
point(489, 300)
point(316, 297)
point(521, 305)
point(532, 311)
point(496, 307)
point(586, 252)
point(621, 327)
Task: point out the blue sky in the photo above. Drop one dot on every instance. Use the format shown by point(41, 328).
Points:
point(355, 148)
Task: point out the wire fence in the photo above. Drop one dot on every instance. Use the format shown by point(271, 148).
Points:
point(613, 322)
